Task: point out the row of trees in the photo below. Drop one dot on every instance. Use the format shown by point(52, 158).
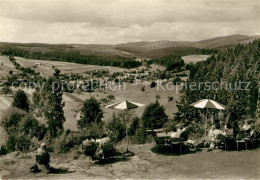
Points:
point(75, 57)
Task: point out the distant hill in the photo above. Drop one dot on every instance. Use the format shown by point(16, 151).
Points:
point(220, 42)
point(141, 48)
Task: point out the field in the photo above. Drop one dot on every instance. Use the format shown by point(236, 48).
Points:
point(145, 164)
point(74, 101)
point(194, 58)
point(5, 67)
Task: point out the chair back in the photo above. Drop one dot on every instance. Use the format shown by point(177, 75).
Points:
point(175, 140)
point(229, 131)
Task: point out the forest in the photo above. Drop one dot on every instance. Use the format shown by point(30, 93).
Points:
point(74, 57)
point(236, 74)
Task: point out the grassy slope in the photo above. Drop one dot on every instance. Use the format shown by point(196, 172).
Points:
point(145, 164)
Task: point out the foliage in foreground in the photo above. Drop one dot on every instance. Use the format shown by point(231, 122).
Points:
point(47, 103)
point(22, 128)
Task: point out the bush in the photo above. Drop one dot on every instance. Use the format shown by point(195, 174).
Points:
point(90, 112)
point(157, 96)
point(67, 142)
point(153, 84)
point(154, 116)
point(21, 100)
point(116, 128)
point(111, 97)
point(134, 126)
point(143, 89)
point(3, 150)
point(95, 130)
point(21, 128)
point(176, 81)
point(6, 90)
point(11, 119)
point(140, 136)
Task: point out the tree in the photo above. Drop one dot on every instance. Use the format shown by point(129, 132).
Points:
point(21, 101)
point(6, 90)
point(90, 112)
point(116, 128)
point(56, 73)
point(48, 103)
point(154, 116)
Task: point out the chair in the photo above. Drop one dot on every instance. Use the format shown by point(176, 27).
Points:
point(161, 138)
point(242, 138)
point(229, 137)
point(175, 141)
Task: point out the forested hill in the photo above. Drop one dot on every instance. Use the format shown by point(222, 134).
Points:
point(236, 68)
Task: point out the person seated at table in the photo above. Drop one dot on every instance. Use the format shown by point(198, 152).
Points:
point(246, 127)
point(229, 131)
point(214, 133)
point(211, 136)
point(177, 132)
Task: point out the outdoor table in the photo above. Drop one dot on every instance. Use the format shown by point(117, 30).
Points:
point(241, 141)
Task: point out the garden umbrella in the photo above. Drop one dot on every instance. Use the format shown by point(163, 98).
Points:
point(125, 105)
point(208, 104)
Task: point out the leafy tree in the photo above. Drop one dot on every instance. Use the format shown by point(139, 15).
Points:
point(21, 100)
point(6, 90)
point(47, 103)
point(116, 128)
point(134, 126)
point(154, 116)
point(21, 127)
point(90, 112)
point(56, 73)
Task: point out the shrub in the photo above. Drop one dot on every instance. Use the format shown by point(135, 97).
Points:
point(21, 100)
point(153, 84)
point(140, 135)
point(116, 128)
point(111, 97)
point(154, 116)
point(6, 90)
point(176, 81)
point(11, 119)
point(67, 142)
point(90, 112)
point(134, 126)
point(95, 130)
point(21, 128)
point(157, 96)
point(143, 89)
point(3, 150)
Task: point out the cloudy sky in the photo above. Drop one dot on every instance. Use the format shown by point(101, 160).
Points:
point(116, 21)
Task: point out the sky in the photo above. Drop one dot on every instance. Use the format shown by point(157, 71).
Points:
point(119, 21)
